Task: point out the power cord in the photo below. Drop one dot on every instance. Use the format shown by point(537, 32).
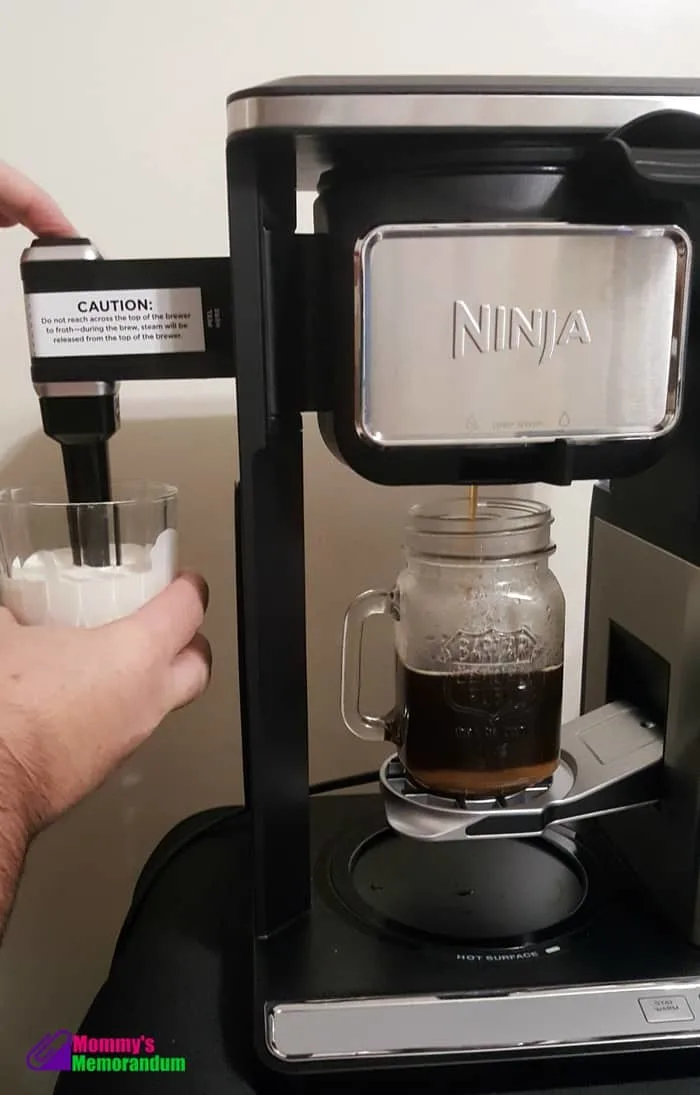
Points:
point(343, 782)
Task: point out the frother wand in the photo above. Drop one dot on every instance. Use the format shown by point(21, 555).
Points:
point(82, 417)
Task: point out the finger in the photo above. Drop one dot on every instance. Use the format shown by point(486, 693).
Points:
point(190, 673)
point(23, 202)
point(171, 620)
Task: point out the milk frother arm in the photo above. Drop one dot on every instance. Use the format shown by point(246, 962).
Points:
point(93, 323)
point(91, 319)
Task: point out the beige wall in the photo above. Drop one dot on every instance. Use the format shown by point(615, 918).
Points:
point(118, 109)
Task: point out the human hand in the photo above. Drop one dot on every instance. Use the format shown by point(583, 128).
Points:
point(74, 702)
point(23, 202)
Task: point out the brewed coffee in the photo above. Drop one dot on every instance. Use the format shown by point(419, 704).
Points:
point(484, 732)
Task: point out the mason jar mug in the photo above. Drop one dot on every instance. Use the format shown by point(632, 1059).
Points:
point(478, 621)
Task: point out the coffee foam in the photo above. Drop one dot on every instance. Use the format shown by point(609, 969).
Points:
point(489, 669)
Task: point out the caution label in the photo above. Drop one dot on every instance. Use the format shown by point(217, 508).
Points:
point(118, 322)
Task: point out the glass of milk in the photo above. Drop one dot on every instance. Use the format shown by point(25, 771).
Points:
point(42, 578)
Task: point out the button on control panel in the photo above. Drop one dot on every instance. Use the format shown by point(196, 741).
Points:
point(666, 1009)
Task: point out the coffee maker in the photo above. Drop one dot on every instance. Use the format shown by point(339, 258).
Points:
point(498, 290)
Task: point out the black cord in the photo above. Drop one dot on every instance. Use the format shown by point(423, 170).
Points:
point(344, 781)
point(191, 829)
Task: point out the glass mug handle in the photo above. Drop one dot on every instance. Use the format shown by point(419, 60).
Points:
point(375, 602)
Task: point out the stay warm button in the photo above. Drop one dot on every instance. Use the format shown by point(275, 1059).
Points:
point(666, 1009)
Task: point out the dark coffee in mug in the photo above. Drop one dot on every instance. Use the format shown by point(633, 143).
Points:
point(489, 731)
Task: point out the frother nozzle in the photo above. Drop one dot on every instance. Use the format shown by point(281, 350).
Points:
point(82, 418)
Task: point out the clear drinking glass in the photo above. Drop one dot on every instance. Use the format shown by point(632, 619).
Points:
point(85, 564)
point(479, 637)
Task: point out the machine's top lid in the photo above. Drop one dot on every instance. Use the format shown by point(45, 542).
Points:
point(445, 84)
point(308, 104)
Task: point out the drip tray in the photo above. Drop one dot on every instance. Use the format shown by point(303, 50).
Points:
point(481, 892)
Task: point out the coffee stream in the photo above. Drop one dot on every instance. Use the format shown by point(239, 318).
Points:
point(473, 501)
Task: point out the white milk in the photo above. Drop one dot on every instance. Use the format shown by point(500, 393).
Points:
point(49, 588)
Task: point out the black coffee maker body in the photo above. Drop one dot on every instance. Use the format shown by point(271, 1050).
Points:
point(498, 290)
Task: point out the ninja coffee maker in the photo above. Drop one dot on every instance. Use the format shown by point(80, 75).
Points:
point(498, 290)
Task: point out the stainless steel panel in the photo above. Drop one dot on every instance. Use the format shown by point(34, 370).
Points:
point(654, 596)
point(519, 1021)
point(73, 388)
point(503, 333)
point(459, 111)
point(61, 252)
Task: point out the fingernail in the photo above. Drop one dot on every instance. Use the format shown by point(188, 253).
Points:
point(197, 580)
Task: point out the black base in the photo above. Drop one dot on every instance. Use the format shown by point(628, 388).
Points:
point(391, 916)
point(181, 973)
